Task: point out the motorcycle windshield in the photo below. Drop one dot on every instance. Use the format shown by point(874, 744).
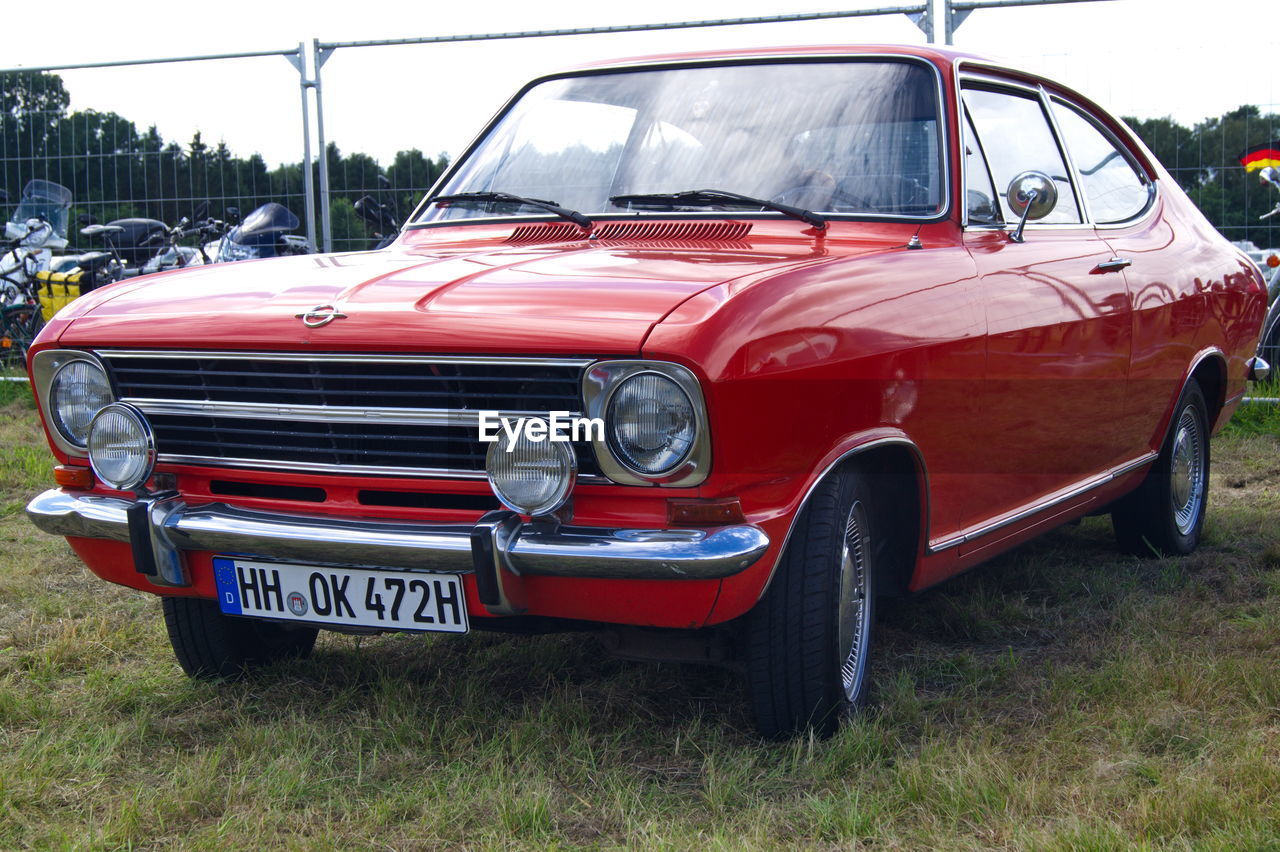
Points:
point(270, 218)
point(47, 200)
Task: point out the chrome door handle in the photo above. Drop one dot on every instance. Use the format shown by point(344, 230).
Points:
point(1113, 264)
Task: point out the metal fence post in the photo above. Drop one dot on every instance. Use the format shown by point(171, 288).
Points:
point(319, 56)
point(299, 61)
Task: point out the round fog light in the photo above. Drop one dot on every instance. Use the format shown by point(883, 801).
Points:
point(122, 450)
point(532, 477)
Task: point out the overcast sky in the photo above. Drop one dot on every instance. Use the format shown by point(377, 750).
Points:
point(1138, 57)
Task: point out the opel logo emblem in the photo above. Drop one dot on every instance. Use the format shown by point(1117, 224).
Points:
point(320, 315)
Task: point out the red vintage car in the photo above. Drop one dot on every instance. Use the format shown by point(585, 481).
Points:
point(704, 352)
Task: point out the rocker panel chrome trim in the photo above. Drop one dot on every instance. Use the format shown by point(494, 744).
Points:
point(1057, 498)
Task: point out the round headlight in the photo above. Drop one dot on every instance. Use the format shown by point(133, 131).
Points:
point(122, 451)
point(651, 423)
point(78, 391)
point(532, 477)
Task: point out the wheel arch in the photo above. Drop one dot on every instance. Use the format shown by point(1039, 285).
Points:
point(1209, 370)
point(900, 462)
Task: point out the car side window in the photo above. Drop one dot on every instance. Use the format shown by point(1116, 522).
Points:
point(1114, 188)
point(1016, 137)
point(981, 195)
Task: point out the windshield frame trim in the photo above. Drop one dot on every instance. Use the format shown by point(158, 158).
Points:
point(940, 101)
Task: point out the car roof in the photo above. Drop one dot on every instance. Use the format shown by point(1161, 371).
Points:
point(943, 57)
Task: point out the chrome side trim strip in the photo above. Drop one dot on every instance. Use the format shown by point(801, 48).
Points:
point(1058, 497)
point(338, 357)
point(540, 550)
point(322, 413)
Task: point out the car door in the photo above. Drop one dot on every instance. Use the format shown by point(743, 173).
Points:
point(1169, 302)
point(1058, 318)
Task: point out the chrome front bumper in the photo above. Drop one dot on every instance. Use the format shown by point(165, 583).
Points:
point(500, 548)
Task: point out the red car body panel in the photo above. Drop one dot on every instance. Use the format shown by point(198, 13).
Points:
point(1011, 374)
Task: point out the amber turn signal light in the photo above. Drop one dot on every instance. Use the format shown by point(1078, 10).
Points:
point(1273, 260)
point(704, 513)
point(73, 476)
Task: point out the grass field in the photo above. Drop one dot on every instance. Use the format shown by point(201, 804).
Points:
point(1062, 697)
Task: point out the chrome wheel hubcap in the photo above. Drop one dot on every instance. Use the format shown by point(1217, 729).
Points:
point(1187, 471)
point(853, 611)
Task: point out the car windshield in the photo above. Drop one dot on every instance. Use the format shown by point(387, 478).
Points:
point(853, 137)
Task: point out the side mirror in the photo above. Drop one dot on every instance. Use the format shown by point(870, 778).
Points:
point(1031, 195)
point(233, 215)
point(201, 211)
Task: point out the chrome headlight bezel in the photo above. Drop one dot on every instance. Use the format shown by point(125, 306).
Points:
point(45, 365)
point(603, 379)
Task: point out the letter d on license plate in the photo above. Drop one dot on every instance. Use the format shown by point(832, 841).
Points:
point(391, 600)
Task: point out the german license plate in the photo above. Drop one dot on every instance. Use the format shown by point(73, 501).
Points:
point(392, 600)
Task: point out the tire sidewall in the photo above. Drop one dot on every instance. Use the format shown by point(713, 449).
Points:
point(1192, 398)
point(852, 492)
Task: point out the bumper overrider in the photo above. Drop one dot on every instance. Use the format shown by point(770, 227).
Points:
point(501, 549)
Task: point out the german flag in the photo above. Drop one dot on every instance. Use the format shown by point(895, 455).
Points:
point(1261, 156)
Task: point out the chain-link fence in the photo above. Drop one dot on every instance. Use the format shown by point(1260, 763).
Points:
point(78, 166)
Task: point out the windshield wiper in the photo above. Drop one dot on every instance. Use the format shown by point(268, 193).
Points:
point(708, 197)
point(507, 198)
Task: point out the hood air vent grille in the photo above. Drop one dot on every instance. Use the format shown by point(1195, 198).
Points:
point(684, 231)
point(647, 231)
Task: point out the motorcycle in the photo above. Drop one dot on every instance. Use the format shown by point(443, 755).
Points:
point(172, 255)
point(38, 225)
point(263, 233)
point(381, 215)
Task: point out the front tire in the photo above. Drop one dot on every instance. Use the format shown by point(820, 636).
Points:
point(209, 644)
point(1165, 516)
point(808, 640)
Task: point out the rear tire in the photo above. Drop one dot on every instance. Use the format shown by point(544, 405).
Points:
point(209, 644)
point(1165, 516)
point(808, 640)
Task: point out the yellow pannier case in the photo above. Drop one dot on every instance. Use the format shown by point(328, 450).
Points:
point(57, 289)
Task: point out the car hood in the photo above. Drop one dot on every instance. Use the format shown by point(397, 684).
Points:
point(565, 299)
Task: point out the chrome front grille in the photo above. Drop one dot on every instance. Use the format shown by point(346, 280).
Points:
point(399, 415)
